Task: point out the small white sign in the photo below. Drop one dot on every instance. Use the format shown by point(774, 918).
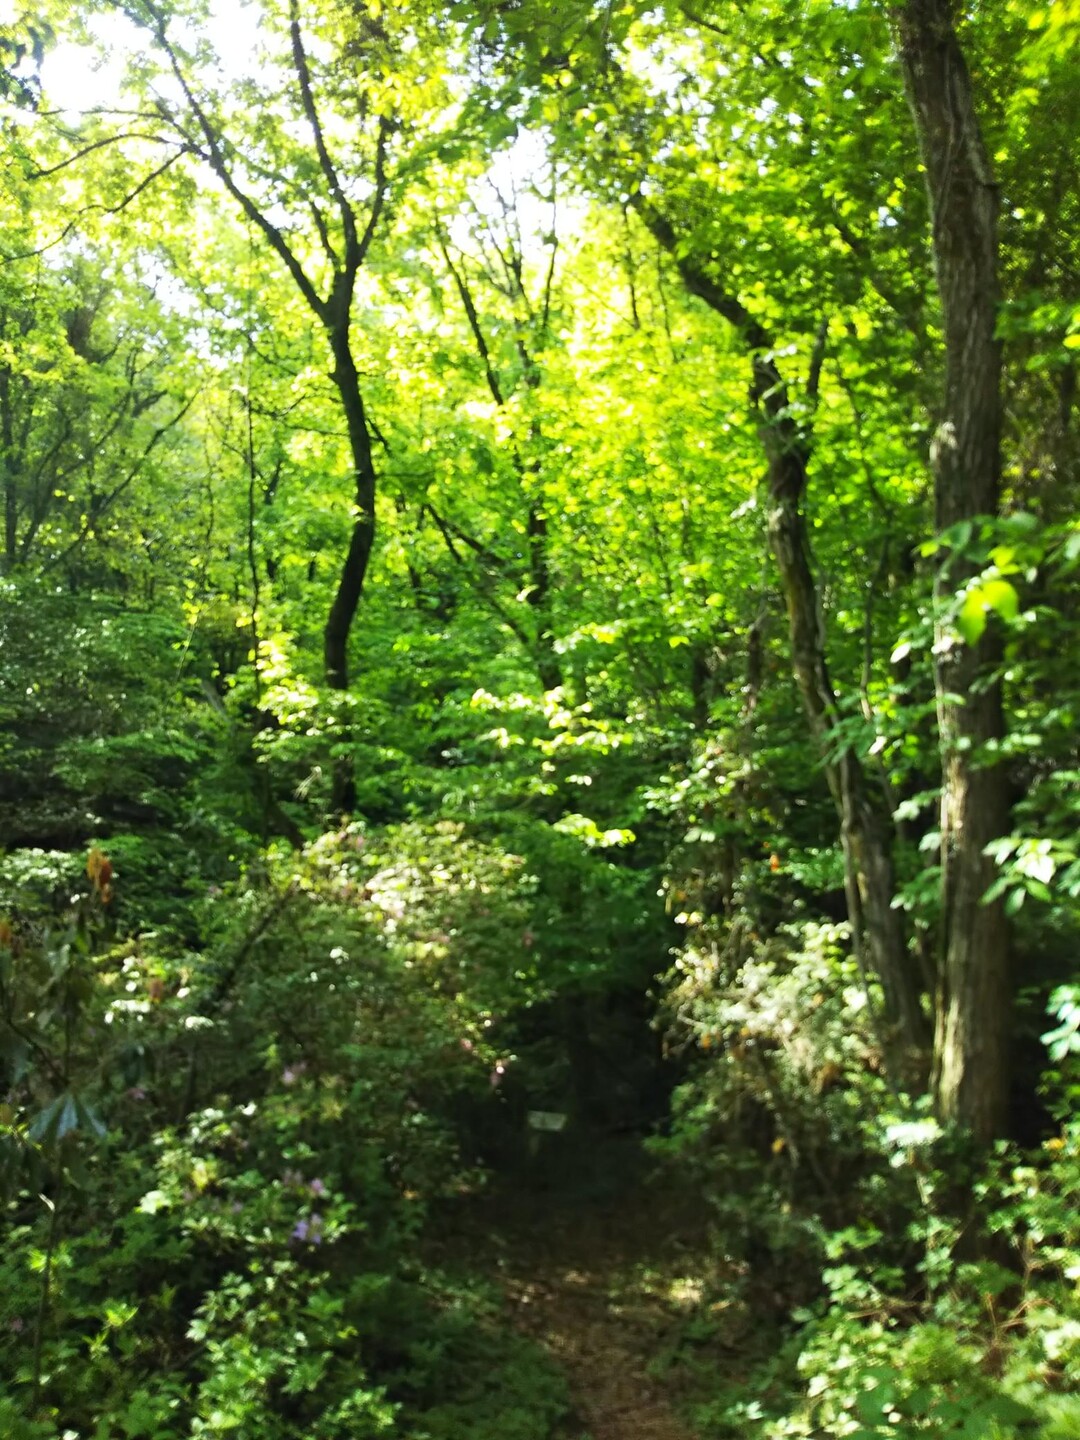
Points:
point(546, 1120)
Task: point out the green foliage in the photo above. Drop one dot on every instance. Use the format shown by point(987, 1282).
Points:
point(258, 1249)
point(595, 271)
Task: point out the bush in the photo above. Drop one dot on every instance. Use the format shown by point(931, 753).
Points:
point(218, 1162)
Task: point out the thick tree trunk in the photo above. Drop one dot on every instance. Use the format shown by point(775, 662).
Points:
point(354, 570)
point(973, 1010)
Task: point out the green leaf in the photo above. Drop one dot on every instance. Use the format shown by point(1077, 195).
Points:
point(971, 621)
point(58, 1120)
point(991, 594)
point(1015, 901)
point(1002, 598)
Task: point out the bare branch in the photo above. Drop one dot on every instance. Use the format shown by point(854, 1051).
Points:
point(307, 100)
point(324, 235)
point(121, 135)
point(100, 208)
point(549, 281)
point(480, 582)
point(216, 159)
point(125, 484)
point(474, 320)
point(379, 199)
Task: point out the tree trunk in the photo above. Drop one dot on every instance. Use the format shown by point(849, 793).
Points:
point(350, 585)
point(878, 931)
point(9, 464)
point(548, 665)
point(547, 660)
point(974, 1001)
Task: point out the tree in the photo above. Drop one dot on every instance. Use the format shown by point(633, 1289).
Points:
point(775, 284)
point(503, 271)
point(87, 398)
point(311, 151)
point(973, 1006)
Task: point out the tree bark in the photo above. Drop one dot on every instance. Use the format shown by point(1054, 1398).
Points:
point(354, 569)
point(10, 464)
point(974, 1001)
point(536, 535)
point(350, 586)
point(878, 931)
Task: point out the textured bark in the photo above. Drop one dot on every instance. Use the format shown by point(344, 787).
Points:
point(974, 1001)
point(865, 826)
point(9, 464)
point(350, 586)
point(878, 930)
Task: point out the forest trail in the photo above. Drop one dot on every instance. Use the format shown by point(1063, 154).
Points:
point(572, 1289)
point(605, 1283)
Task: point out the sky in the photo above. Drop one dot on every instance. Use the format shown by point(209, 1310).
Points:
point(86, 78)
point(77, 78)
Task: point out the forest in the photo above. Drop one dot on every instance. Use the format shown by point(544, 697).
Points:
point(539, 696)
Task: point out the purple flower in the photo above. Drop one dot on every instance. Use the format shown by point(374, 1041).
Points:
point(292, 1073)
point(310, 1230)
point(16, 1325)
point(317, 1187)
point(136, 1093)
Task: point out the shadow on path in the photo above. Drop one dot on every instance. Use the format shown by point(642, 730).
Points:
point(602, 1269)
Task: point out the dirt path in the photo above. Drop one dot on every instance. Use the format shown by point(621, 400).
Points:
point(578, 1301)
point(605, 1287)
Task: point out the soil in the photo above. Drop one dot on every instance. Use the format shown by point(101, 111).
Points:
point(605, 1278)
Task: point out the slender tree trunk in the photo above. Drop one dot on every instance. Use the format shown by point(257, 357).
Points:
point(345, 254)
point(974, 1001)
point(354, 570)
point(9, 464)
point(865, 829)
point(547, 660)
point(878, 931)
point(548, 666)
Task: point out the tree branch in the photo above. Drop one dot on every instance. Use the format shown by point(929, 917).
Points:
point(215, 158)
point(307, 100)
point(378, 201)
point(473, 319)
point(73, 223)
point(127, 481)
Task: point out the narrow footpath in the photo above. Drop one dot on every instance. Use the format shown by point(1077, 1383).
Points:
point(579, 1285)
point(608, 1284)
